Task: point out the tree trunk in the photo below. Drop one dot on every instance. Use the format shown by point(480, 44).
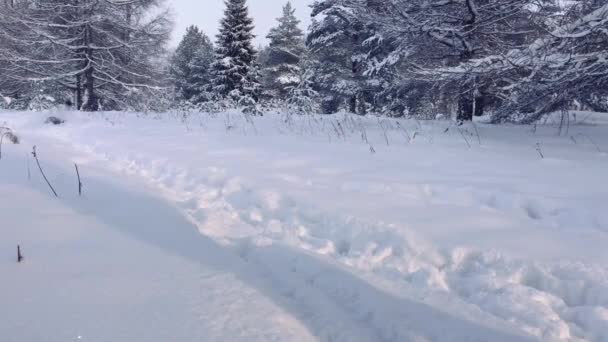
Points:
point(128, 16)
point(352, 104)
point(361, 104)
point(466, 106)
point(91, 104)
point(470, 105)
point(480, 103)
point(78, 93)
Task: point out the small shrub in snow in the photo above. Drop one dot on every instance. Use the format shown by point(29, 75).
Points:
point(12, 137)
point(7, 133)
point(54, 120)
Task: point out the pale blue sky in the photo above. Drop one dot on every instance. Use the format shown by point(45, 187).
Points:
point(206, 14)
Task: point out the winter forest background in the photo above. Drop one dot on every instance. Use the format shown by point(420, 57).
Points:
point(513, 60)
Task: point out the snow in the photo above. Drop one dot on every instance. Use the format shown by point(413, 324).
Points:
point(302, 228)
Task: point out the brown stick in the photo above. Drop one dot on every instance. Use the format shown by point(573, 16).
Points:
point(79, 182)
point(19, 256)
point(42, 172)
point(540, 150)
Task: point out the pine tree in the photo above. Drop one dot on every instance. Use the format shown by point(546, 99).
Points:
point(282, 70)
point(403, 42)
point(336, 43)
point(234, 74)
point(564, 67)
point(302, 98)
point(191, 66)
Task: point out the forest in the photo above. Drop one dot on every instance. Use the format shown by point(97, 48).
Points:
point(509, 60)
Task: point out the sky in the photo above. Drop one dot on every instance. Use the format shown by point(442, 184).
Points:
point(206, 14)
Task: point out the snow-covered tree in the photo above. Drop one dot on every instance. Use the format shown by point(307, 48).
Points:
point(106, 52)
point(568, 64)
point(397, 42)
point(282, 62)
point(302, 98)
point(338, 42)
point(234, 71)
point(191, 66)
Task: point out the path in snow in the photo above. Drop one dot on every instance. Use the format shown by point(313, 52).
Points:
point(85, 281)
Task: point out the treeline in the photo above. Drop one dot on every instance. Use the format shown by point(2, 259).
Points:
point(515, 60)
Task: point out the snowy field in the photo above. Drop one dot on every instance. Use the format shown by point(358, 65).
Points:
point(312, 228)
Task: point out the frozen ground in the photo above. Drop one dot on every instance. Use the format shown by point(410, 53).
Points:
point(303, 228)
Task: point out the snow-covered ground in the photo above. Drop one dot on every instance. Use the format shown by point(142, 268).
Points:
point(288, 228)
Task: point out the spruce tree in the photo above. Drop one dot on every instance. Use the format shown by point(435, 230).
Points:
point(191, 66)
point(282, 66)
point(234, 74)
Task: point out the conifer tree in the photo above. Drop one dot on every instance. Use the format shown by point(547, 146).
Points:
point(191, 66)
point(282, 66)
point(234, 74)
point(104, 52)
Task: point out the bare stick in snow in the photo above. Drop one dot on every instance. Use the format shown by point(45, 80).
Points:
point(407, 134)
point(540, 151)
point(477, 133)
point(591, 141)
point(342, 131)
point(464, 137)
point(42, 172)
point(79, 182)
point(19, 256)
point(336, 129)
point(364, 135)
point(384, 131)
point(29, 174)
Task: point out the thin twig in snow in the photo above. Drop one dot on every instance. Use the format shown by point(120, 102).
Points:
point(79, 182)
point(42, 172)
point(29, 174)
point(19, 255)
point(591, 141)
point(477, 133)
point(540, 151)
point(464, 137)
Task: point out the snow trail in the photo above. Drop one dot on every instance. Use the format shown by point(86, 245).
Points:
point(332, 303)
point(551, 299)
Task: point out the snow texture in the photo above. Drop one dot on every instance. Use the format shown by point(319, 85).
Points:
point(303, 228)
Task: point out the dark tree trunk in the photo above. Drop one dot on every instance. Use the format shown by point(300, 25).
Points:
point(352, 104)
point(470, 105)
point(91, 104)
point(480, 104)
point(78, 93)
point(361, 104)
point(128, 16)
point(466, 106)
